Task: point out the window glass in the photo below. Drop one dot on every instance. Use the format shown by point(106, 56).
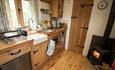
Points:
point(26, 11)
point(28, 8)
point(14, 23)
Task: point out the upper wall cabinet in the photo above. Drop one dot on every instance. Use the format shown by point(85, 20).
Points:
point(56, 8)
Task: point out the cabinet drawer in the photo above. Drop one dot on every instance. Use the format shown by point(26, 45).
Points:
point(36, 57)
point(13, 53)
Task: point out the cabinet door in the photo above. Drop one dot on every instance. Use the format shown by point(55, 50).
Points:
point(44, 49)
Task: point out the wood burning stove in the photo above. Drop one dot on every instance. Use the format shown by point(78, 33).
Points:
point(101, 50)
point(96, 55)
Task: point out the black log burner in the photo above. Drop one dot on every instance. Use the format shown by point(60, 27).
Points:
point(101, 50)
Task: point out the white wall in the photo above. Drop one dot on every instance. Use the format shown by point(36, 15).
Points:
point(43, 5)
point(97, 23)
point(67, 12)
point(113, 31)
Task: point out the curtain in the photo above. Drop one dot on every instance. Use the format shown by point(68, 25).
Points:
point(4, 23)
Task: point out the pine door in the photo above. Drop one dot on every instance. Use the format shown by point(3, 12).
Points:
point(79, 24)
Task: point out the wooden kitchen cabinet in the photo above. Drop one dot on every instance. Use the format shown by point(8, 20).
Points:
point(56, 8)
point(38, 55)
point(58, 36)
point(13, 51)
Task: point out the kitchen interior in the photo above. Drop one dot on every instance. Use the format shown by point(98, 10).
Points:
point(57, 35)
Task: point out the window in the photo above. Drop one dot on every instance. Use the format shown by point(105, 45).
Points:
point(26, 7)
point(21, 12)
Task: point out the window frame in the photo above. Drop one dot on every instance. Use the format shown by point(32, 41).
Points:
point(19, 12)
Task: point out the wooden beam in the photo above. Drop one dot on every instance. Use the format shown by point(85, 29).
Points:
point(110, 21)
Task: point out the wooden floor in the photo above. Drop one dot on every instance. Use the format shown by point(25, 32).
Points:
point(52, 61)
point(67, 60)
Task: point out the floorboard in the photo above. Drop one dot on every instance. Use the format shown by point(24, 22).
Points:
point(67, 60)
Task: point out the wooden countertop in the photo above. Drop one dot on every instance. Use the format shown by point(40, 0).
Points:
point(12, 44)
point(18, 40)
point(56, 31)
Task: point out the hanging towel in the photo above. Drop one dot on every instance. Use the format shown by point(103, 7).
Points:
point(51, 47)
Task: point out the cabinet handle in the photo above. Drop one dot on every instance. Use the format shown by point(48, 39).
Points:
point(35, 51)
point(36, 64)
point(16, 52)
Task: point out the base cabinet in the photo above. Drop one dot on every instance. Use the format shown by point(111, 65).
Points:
point(16, 56)
point(38, 55)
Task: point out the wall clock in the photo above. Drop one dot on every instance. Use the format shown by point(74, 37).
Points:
point(102, 5)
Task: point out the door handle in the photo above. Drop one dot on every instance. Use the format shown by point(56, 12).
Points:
point(84, 27)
